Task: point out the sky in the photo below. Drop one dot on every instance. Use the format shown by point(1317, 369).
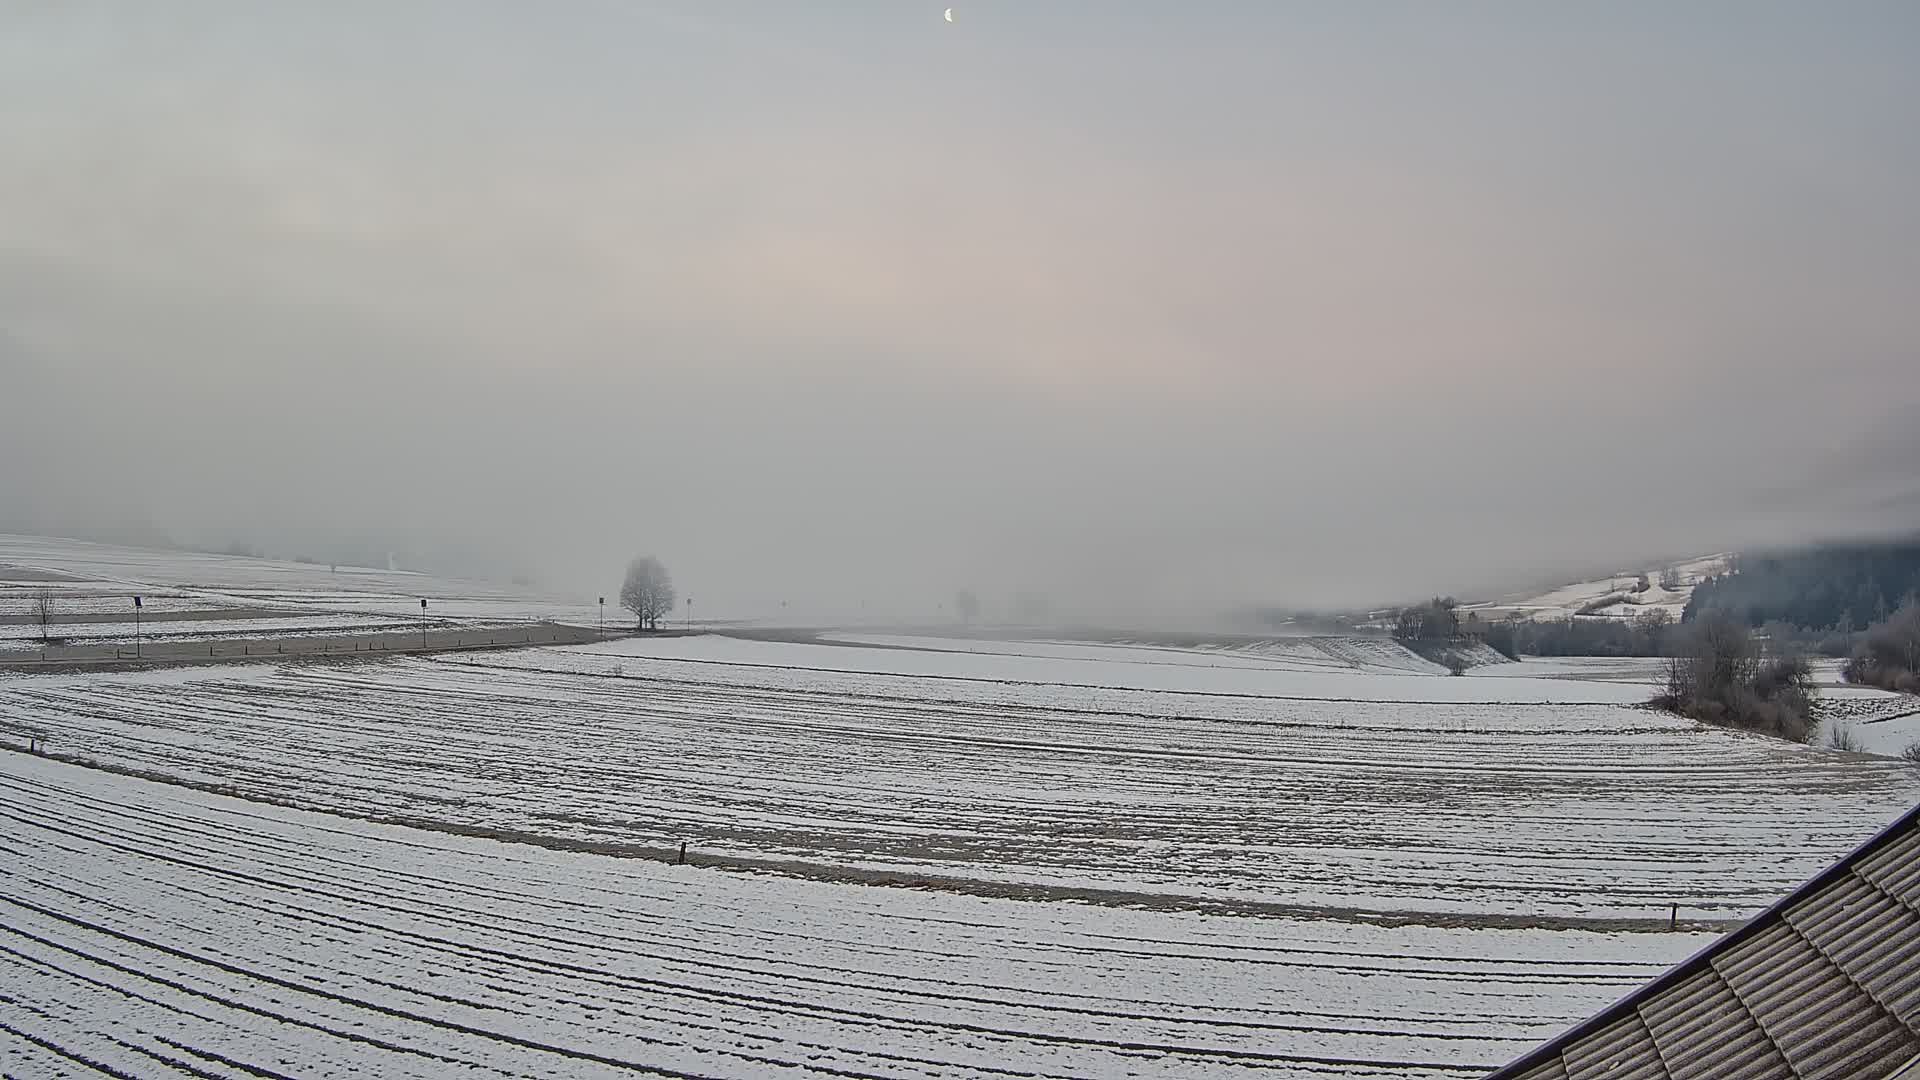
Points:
point(1145, 308)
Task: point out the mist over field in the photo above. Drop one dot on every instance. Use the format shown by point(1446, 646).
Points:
point(1148, 310)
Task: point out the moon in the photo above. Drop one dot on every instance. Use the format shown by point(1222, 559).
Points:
point(949, 15)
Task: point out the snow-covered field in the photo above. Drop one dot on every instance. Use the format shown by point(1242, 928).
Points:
point(860, 759)
point(1305, 653)
point(912, 857)
point(1378, 670)
point(240, 596)
point(27, 635)
point(1878, 721)
point(159, 931)
point(17, 599)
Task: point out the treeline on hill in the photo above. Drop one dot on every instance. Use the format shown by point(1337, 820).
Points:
point(1433, 629)
point(1838, 587)
point(1430, 627)
point(1860, 601)
point(1436, 631)
point(1651, 634)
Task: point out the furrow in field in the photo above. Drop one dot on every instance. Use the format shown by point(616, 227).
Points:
point(184, 910)
point(1448, 809)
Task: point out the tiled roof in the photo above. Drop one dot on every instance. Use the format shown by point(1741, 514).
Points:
point(1825, 984)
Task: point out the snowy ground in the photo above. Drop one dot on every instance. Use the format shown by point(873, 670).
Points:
point(1878, 721)
point(27, 636)
point(860, 759)
point(1303, 653)
point(239, 596)
point(1373, 670)
point(1567, 600)
point(155, 930)
point(1311, 857)
point(17, 599)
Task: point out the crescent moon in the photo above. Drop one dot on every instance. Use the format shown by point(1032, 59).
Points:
point(949, 14)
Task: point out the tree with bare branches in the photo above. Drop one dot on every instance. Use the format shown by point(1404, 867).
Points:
point(648, 591)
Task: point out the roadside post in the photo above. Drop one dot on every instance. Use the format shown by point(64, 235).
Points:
point(136, 628)
point(603, 615)
point(423, 622)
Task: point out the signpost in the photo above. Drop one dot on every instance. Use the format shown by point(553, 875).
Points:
point(136, 628)
point(423, 622)
point(603, 614)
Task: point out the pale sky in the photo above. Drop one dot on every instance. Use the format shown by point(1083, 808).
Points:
point(1149, 307)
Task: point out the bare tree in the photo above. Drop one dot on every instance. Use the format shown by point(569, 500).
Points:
point(1436, 620)
point(1718, 656)
point(1716, 675)
point(1670, 578)
point(648, 591)
point(43, 612)
point(1654, 620)
point(967, 604)
point(1888, 655)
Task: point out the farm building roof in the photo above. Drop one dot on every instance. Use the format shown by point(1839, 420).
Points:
point(1826, 983)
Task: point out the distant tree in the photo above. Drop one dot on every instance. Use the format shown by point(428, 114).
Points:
point(1813, 588)
point(1888, 655)
point(1653, 629)
point(43, 612)
point(1670, 579)
point(648, 591)
point(1504, 638)
point(967, 604)
point(1718, 656)
point(1641, 584)
point(1436, 620)
point(1716, 676)
point(1646, 635)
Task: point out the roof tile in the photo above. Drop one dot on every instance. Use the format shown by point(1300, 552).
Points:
point(1825, 985)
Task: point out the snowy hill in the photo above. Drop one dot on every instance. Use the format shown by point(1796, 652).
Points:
point(1592, 597)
